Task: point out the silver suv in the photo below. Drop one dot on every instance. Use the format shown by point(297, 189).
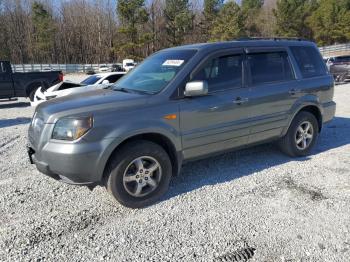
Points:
point(182, 104)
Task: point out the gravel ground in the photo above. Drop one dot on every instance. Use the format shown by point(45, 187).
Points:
point(286, 209)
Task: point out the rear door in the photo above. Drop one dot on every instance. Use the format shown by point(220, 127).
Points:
point(273, 91)
point(217, 121)
point(6, 85)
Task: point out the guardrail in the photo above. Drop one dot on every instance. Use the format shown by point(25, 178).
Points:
point(335, 50)
point(326, 51)
point(66, 68)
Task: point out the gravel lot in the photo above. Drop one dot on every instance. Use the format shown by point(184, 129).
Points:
point(287, 209)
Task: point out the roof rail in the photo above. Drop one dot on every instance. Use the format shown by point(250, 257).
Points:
point(271, 38)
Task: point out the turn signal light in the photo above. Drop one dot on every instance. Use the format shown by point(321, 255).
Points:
point(170, 117)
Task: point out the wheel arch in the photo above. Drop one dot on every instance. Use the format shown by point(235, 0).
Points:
point(32, 86)
point(311, 108)
point(157, 138)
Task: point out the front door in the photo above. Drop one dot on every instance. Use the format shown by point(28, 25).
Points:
point(217, 121)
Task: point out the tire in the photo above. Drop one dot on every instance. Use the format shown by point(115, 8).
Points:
point(32, 94)
point(289, 143)
point(125, 172)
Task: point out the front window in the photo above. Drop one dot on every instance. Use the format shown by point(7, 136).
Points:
point(91, 80)
point(155, 72)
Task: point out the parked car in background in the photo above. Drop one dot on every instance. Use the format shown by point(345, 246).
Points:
point(90, 71)
point(24, 84)
point(93, 82)
point(339, 67)
point(179, 105)
point(128, 64)
point(46, 69)
point(117, 68)
point(104, 69)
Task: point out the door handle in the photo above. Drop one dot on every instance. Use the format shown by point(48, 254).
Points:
point(240, 100)
point(294, 91)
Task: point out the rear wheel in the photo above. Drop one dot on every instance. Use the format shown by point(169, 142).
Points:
point(32, 94)
point(139, 174)
point(301, 136)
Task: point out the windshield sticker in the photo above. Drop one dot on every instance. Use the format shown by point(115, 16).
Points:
point(173, 62)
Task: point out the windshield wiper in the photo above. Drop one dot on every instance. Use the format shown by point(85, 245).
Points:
point(142, 92)
point(121, 89)
point(128, 90)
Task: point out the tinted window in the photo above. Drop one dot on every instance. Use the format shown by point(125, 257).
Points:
point(342, 59)
point(114, 78)
point(269, 67)
point(309, 61)
point(222, 72)
point(91, 80)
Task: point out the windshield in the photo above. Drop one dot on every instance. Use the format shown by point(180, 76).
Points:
point(91, 80)
point(155, 72)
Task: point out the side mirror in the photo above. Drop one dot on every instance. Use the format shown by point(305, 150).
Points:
point(105, 82)
point(196, 88)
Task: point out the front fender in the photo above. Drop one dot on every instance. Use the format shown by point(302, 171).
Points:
point(127, 131)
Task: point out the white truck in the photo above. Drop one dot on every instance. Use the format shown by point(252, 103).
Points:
point(128, 64)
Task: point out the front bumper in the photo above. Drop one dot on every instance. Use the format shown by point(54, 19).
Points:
point(72, 163)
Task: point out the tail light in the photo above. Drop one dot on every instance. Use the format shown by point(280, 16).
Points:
point(60, 77)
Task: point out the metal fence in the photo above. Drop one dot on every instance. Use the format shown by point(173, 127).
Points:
point(327, 51)
point(66, 68)
point(335, 50)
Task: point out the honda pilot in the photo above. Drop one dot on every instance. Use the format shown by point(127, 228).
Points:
point(182, 104)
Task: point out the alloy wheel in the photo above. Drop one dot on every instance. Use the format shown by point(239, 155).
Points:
point(304, 135)
point(142, 176)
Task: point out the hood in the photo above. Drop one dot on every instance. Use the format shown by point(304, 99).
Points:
point(89, 102)
point(74, 90)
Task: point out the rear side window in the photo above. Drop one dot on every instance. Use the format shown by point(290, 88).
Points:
point(269, 67)
point(222, 73)
point(309, 61)
point(342, 59)
point(114, 78)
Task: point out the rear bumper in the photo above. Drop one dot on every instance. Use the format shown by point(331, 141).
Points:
point(329, 110)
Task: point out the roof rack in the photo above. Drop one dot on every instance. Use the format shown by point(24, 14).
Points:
point(271, 38)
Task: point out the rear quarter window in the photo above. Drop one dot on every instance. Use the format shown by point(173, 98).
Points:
point(309, 61)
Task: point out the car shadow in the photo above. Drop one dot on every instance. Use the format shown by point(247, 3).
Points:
point(14, 122)
point(236, 164)
point(11, 104)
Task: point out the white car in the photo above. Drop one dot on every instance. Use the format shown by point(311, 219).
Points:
point(97, 81)
point(104, 69)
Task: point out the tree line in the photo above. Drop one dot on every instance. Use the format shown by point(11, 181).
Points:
point(99, 31)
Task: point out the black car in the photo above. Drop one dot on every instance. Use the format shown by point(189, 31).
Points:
point(117, 68)
point(25, 84)
point(340, 68)
point(90, 71)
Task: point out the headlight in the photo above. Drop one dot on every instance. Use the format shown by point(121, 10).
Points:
point(72, 128)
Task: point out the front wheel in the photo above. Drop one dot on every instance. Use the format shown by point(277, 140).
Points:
point(301, 136)
point(139, 174)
